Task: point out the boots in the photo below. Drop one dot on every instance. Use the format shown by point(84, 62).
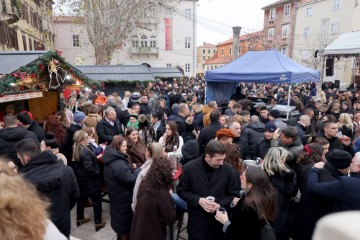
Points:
point(99, 226)
point(81, 221)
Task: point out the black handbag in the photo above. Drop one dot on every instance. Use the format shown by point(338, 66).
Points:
point(267, 232)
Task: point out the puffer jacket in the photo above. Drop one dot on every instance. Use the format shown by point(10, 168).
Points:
point(253, 133)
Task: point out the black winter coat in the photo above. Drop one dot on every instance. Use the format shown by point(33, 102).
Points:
point(35, 128)
point(88, 173)
point(343, 192)
point(8, 139)
point(245, 223)
point(207, 134)
point(145, 109)
point(243, 146)
point(262, 147)
point(194, 184)
point(106, 132)
point(252, 134)
point(120, 179)
point(286, 186)
point(58, 183)
point(336, 144)
point(180, 122)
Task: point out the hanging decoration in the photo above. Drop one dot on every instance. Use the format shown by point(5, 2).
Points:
point(46, 72)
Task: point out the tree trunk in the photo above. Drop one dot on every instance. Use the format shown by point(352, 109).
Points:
point(103, 55)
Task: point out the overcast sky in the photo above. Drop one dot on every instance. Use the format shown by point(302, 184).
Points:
point(216, 17)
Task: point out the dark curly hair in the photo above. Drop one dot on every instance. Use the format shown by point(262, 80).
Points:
point(160, 176)
point(54, 125)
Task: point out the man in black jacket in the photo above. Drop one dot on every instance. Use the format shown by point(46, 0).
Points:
point(51, 178)
point(235, 128)
point(31, 125)
point(108, 127)
point(207, 176)
point(180, 117)
point(263, 145)
point(208, 133)
point(10, 135)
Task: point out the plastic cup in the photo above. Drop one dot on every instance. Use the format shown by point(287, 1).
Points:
point(210, 199)
point(222, 210)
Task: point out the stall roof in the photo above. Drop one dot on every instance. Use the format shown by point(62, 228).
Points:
point(346, 44)
point(11, 61)
point(127, 72)
point(166, 72)
point(117, 72)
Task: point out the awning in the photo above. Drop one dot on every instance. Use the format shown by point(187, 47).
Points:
point(346, 45)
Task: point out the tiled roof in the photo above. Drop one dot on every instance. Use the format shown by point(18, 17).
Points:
point(276, 3)
point(207, 45)
point(220, 60)
point(166, 72)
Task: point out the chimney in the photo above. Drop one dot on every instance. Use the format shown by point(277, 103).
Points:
point(236, 42)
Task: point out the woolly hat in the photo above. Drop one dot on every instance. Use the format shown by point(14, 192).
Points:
point(79, 116)
point(270, 127)
point(24, 118)
point(275, 113)
point(339, 159)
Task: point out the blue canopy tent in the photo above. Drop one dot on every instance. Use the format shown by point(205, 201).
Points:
point(269, 66)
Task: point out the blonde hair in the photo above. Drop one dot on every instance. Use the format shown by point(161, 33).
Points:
point(347, 120)
point(155, 150)
point(78, 147)
point(22, 212)
point(273, 161)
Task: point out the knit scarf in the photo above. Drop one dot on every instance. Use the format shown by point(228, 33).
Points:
point(171, 142)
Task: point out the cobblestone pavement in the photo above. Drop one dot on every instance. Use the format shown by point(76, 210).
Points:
point(87, 231)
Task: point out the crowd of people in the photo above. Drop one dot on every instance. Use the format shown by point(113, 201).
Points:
point(245, 172)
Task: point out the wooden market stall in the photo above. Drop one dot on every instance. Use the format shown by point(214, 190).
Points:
point(34, 81)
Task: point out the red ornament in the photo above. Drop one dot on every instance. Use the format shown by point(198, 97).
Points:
point(59, 52)
point(32, 75)
point(41, 67)
point(56, 62)
point(22, 88)
point(14, 75)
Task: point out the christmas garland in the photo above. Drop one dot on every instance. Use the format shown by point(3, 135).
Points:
point(38, 71)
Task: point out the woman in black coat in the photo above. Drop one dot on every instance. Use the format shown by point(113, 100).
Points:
point(88, 176)
point(120, 178)
point(283, 180)
point(255, 208)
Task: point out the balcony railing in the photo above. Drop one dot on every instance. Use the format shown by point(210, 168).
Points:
point(144, 51)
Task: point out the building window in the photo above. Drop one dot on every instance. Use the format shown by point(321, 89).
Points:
point(336, 4)
point(334, 27)
point(135, 42)
point(168, 65)
point(309, 11)
point(285, 31)
point(222, 52)
point(143, 41)
point(152, 41)
point(272, 14)
point(187, 13)
point(187, 42)
point(187, 67)
point(304, 54)
point(76, 41)
point(204, 58)
point(30, 44)
point(271, 33)
point(307, 31)
point(284, 50)
point(287, 8)
point(230, 51)
point(203, 51)
point(214, 51)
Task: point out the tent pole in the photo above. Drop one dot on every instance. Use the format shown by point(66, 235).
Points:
point(288, 104)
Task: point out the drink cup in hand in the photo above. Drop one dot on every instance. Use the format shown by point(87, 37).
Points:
point(210, 199)
point(222, 210)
